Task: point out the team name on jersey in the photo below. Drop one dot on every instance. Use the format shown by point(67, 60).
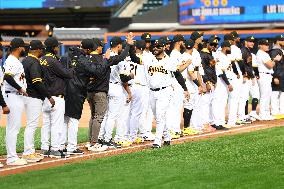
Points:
point(153, 69)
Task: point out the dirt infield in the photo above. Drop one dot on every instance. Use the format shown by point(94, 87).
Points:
point(49, 162)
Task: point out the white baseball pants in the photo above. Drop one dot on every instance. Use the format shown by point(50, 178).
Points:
point(265, 94)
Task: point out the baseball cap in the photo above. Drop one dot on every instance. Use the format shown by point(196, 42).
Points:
point(98, 42)
point(159, 43)
point(146, 37)
point(115, 41)
point(17, 42)
point(189, 44)
point(213, 40)
point(166, 39)
point(263, 42)
point(178, 38)
point(36, 44)
point(52, 42)
point(226, 44)
point(250, 39)
point(235, 34)
point(215, 37)
point(228, 36)
point(195, 35)
point(140, 44)
point(87, 44)
point(279, 38)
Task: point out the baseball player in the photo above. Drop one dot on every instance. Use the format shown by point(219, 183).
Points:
point(223, 86)
point(15, 92)
point(37, 92)
point(265, 66)
point(277, 97)
point(53, 116)
point(159, 77)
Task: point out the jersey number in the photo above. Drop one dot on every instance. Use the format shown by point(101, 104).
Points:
point(133, 68)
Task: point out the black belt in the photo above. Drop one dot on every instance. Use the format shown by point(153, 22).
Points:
point(158, 89)
point(60, 96)
point(266, 73)
point(115, 82)
point(17, 93)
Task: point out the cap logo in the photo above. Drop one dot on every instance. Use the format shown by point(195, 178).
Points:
point(252, 37)
point(215, 41)
point(148, 36)
point(281, 36)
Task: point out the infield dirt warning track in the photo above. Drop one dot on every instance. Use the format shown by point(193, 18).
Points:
point(50, 162)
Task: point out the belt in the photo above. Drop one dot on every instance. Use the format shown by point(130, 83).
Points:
point(139, 84)
point(158, 89)
point(13, 92)
point(266, 73)
point(115, 82)
point(60, 96)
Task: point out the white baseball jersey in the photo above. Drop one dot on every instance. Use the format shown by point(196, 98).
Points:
point(116, 70)
point(236, 55)
point(254, 60)
point(159, 72)
point(138, 71)
point(262, 58)
point(14, 68)
point(223, 63)
point(196, 61)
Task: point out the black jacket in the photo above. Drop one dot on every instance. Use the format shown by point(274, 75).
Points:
point(35, 78)
point(54, 74)
point(278, 70)
point(247, 60)
point(209, 69)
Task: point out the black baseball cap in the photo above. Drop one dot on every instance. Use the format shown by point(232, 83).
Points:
point(226, 44)
point(263, 42)
point(115, 41)
point(213, 40)
point(36, 44)
point(189, 44)
point(87, 44)
point(159, 43)
point(235, 34)
point(195, 35)
point(166, 39)
point(250, 39)
point(215, 37)
point(279, 38)
point(229, 36)
point(18, 42)
point(98, 42)
point(146, 37)
point(140, 44)
point(52, 42)
point(178, 38)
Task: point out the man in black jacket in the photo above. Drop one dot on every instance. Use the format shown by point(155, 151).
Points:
point(37, 92)
point(76, 90)
point(53, 116)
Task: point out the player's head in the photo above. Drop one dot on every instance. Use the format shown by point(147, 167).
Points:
point(159, 47)
point(36, 48)
point(189, 45)
point(140, 46)
point(98, 45)
point(52, 45)
point(279, 40)
point(178, 41)
point(213, 43)
point(147, 38)
point(249, 42)
point(116, 43)
point(18, 47)
point(87, 46)
point(167, 42)
point(263, 44)
point(236, 36)
point(197, 37)
point(229, 37)
point(226, 47)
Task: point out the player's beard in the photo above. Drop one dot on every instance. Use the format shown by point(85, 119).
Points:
point(23, 53)
point(157, 52)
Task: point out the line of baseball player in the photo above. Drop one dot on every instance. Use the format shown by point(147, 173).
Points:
point(134, 82)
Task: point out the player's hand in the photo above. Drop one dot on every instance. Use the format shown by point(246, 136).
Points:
point(23, 92)
point(129, 39)
point(107, 54)
point(244, 79)
point(230, 88)
point(188, 62)
point(6, 110)
point(131, 75)
point(52, 102)
point(129, 98)
point(200, 90)
point(238, 76)
point(208, 87)
point(186, 95)
point(278, 58)
point(253, 81)
point(276, 81)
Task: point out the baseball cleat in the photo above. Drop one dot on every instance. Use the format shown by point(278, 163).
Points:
point(75, 152)
point(155, 146)
point(277, 116)
point(111, 144)
point(58, 154)
point(18, 162)
point(174, 135)
point(31, 158)
point(149, 137)
point(254, 115)
point(45, 153)
point(125, 143)
point(189, 131)
point(88, 145)
point(98, 148)
point(138, 141)
point(167, 143)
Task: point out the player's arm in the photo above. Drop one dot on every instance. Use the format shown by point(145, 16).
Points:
point(184, 65)
point(60, 71)
point(134, 58)
point(2, 101)
point(113, 60)
point(127, 89)
point(180, 80)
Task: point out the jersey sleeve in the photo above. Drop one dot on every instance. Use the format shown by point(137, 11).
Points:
point(10, 68)
point(35, 73)
point(265, 58)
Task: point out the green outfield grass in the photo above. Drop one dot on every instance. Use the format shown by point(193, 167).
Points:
point(252, 160)
point(82, 137)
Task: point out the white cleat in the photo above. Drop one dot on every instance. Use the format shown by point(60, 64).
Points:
point(254, 115)
point(18, 162)
point(98, 148)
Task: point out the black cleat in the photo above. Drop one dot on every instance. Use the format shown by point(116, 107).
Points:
point(155, 146)
point(76, 152)
point(221, 127)
point(167, 143)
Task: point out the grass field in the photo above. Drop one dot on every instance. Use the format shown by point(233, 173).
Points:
point(252, 160)
point(82, 137)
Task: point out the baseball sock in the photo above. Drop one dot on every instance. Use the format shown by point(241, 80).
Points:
point(186, 117)
point(254, 103)
point(246, 109)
